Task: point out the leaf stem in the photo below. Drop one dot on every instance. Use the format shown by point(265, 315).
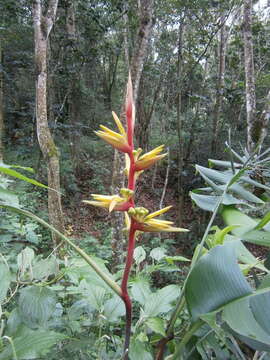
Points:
point(185, 340)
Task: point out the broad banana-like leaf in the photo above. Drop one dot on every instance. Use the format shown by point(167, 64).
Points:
point(249, 318)
point(215, 280)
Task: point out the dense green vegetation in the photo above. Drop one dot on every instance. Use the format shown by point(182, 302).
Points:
point(66, 284)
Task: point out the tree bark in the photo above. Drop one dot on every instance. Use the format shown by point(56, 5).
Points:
point(42, 27)
point(1, 106)
point(142, 39)
point(253, 126)
point(179, 122)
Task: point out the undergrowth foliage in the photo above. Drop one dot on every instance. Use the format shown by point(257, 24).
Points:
point(53, 308)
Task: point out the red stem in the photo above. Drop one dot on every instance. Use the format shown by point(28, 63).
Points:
point(132, 230)
point(131, 175)
point(125, 296)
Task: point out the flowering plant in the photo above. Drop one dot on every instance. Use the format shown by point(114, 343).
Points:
point(137, 219)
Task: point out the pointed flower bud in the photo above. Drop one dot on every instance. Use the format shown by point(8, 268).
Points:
point(130, 112)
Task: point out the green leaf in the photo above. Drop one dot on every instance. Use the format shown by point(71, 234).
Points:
point(207, 175)
point(169, 293)
point(94, 294)
point(160, 302)
point(14, 323)
point(140, 290)
point(139, 351)
point(172, 259)
point(265, 220)
point(243, 254)
point(139, 254)
point(36, 305)
point(214, 175)
point(8, 171)
point(45, 267)
point(265, 282)
point(26, 168)
point(32, 345)
point(158, 253)
point(249, 317)
point(226, 164)
point(215, 280)
point(114, 308)
point(5, 281)
point(205, 202)
point(245, 194)
point(24, 259)
point(78, 308)
point(257, 237)
point(8, 197)
point(232, 216)
point(157, 325)
point(219, 235)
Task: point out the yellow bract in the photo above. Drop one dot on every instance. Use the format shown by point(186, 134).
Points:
point(110, 202)
point(148, 159)
point(147, 223)
point(117, 140)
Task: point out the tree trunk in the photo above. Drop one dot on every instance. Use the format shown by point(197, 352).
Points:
point(42, 27)
point(73, 82)
point(220, 87)
point(137, 61)
point(179, 122)
point(253, 126)
point(142, 39)
point(1, 106)
point(144, 115)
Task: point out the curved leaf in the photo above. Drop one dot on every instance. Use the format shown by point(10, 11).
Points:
point(232, 216)
point(250, 318)
point(5, 169)
point(215, 280)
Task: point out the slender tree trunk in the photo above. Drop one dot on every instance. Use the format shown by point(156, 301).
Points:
point(73, 82)
point(42, 27)
point(144, 115)
point(220, 87)
point(253, 128)
point(179, 122)
point(136, 67)
point(142, 39)
point(1, 106)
